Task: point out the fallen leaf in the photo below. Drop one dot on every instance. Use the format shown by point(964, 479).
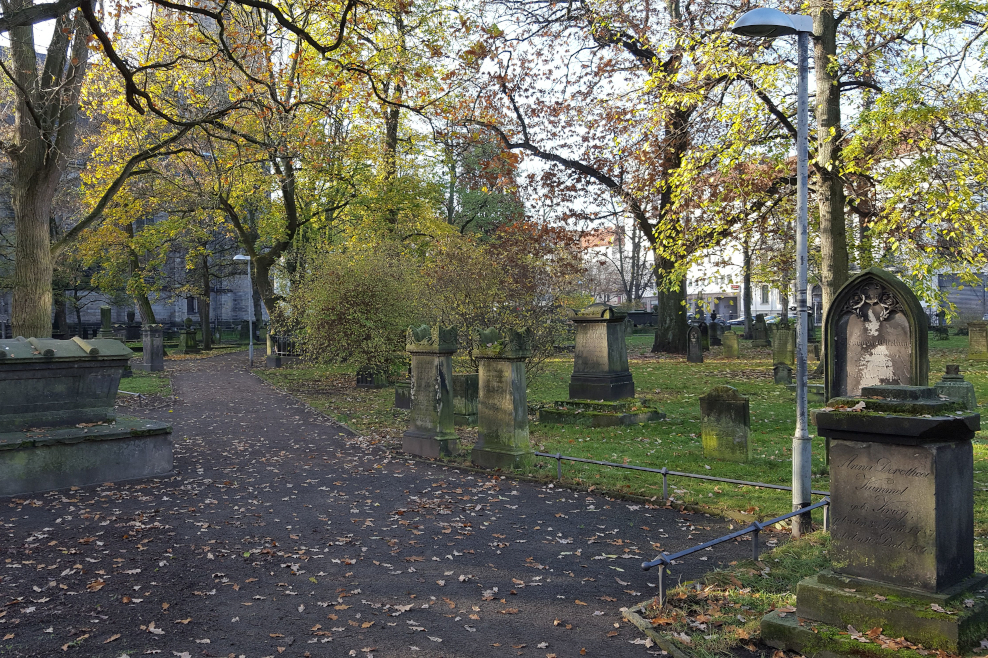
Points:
point(113, 637)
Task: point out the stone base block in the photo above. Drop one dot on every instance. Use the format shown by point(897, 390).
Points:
point(486, 458)
point(149, 367)
point(430, 446)
point(128, 449)
point(606, 386)
point(465, 420)
point(600, 414)
point(829, 603)
point(815, 393)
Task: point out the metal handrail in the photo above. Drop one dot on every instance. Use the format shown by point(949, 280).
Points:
point(665, 560)
point(139, 396)
point(665, 473)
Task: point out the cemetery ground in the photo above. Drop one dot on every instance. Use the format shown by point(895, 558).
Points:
point(707, 621)
point(281, 533)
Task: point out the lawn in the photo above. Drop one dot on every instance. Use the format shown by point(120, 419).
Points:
point(147, 383)
point(674, 443)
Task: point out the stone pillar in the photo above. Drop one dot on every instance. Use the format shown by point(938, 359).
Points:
point(106, 322)
point(600, 363)
point(465, 392)
point(953, 387)
point(154, 348)
point(724, 424)
point(977, 340)
point(732, 348)
point(783, 347)
point(694, 345)
point(430, 432)
point(502, 410)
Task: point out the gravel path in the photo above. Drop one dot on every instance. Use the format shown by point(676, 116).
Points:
point(282, 534)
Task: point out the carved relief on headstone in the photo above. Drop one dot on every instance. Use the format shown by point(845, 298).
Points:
point(875, 334)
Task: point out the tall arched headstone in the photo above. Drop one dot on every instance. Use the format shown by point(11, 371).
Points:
point(875, 333)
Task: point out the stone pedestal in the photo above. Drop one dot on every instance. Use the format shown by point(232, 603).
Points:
point(154, 348)
point(106, 322)
point(465, 392)
point(502, 419)
point(187, 343)
point(600, 363)
point(977, 340)
point(784, 347)
point(732, 347)
point(953, 387)
point(694, 345)
point(430, 432)
point(724, 424)
point(902, 526)
point(132, 330)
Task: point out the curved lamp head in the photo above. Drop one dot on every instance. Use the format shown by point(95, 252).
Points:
point(241, 257)
point(769, 23)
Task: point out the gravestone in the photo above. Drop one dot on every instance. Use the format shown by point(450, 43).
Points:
point(977, 341)
point(715, 333)
point(902, 528)
point(154, 349)
point(403, 395)
point(705, 336)
point(782, 373)
point(875, 333)
point(694, 345)
point(783, 347)
point(502, 436)
point(187, 343)
point(759, 332)
point(465, 387)
point(132, 331)
point(430, 432)
point(106, 323)
point(600, 363)
point(732, 347)
point(953, 387)
point(724, 424)
point(58, 425)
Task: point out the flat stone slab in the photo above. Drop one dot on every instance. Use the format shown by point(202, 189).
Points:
point(596, 413)
point(827, 605)
point(43, 460)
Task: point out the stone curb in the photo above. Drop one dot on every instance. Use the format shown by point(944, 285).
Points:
point(642, 624)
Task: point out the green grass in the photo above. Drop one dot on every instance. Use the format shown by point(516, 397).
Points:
point(147, 383)
point(674, 443)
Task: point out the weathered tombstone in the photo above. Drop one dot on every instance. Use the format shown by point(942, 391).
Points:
point(132, 331)
point(876, 333)
point(106, 322)
point(704, 336)
point(502, 437)
point(724, 424)
point(430, 432)
point(782, 373)
point(187, 343)
point(953, 387)
point(977, 340)
point(154, 348)
point(732, 347)
point(465, 387)
point(759, 332)
point(600, 363)
point(403, 395)
point(783, 347)
point(715, 332)
point(58, 427)
point(902, 528)
point(694, 345)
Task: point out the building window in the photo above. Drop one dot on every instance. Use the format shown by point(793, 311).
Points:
point(191, 306)
point(764, 294)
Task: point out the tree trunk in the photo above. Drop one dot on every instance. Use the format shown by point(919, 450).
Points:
point(784, 302)
point(32, 303)
point(207, 334)
point(670, 324)
point(746, 273)
point(830, 189)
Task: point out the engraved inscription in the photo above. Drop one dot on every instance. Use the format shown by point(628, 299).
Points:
point(591, 348)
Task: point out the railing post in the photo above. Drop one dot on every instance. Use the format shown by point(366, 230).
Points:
point(559, 466)
point(754, 541)
point(665, 485)
point(826, 517)
point(662, 585)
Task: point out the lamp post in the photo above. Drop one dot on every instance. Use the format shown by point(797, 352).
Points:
point(770, 23)
point(250, 314)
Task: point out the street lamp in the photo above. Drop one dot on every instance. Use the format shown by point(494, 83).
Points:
point(770, 23)
point(250, 309)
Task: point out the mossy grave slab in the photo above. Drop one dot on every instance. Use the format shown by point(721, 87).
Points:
point(597, 413)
